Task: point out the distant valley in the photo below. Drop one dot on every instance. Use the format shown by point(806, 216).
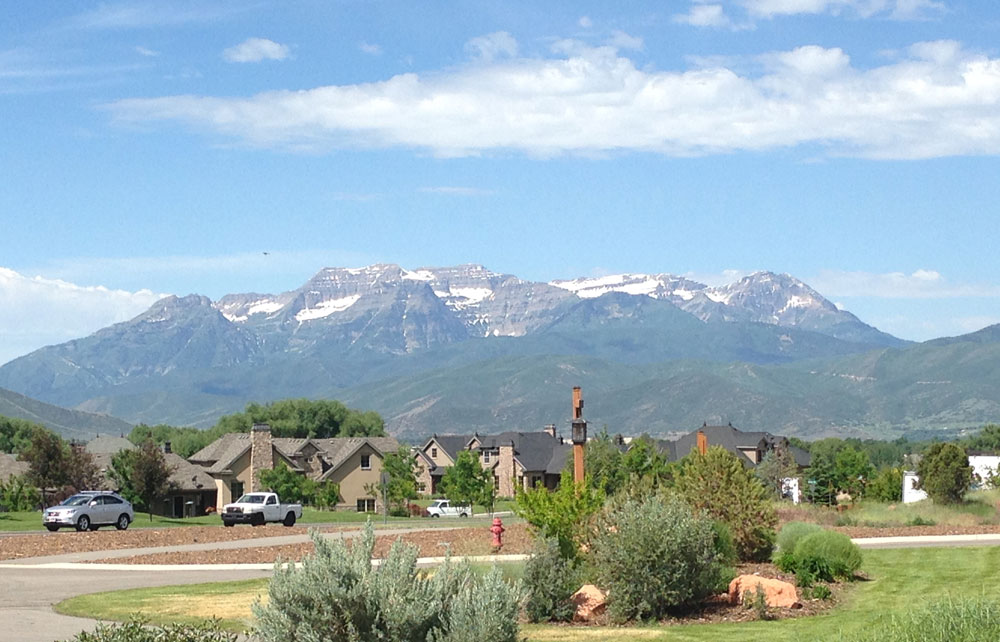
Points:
point(463, 348)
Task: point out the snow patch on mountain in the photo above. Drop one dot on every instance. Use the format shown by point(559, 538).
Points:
point(326, 308)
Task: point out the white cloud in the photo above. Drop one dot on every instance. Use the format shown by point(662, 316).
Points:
point(921, 284)
point(492, 46)
point(898, 9)
point(149, 53)
point(370, 49)
point(587, 100)
point(141, 15)
point(704, 15)
point(622, 40)
point(35, 311)
point(585, 22)
point(456, 191)
point(256, 50)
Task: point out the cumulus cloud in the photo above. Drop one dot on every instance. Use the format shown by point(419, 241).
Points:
point(921, 284)
point(256, 50)
point(622, 40)
point(936, 100)
point(370, 49)
point(35, 311)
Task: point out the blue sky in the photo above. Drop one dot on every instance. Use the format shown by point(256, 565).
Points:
point(163, 147)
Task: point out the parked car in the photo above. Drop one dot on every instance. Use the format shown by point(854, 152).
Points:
point(260, 508)
point(443, 508)
point(89, 510)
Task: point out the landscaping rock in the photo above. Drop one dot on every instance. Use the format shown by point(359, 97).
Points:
point(777, 593)
point(590, 602)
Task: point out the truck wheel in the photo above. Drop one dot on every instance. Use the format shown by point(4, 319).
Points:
point(227, 523)
point(258, 519)
point(289, 519)
point(464, 515)
point(435, 515)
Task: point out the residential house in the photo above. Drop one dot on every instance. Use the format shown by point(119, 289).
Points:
point(235, 461)
point(517, 459)
point(10, 465)
point(192, 491)
point(749, 447)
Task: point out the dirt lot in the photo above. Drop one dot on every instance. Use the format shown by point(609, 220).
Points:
point(20, 546)
point(431, 543)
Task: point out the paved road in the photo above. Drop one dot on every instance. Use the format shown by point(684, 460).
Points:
point(29, 587)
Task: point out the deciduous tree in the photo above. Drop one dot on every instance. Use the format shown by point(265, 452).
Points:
point(142, 474)
point(291, 487)
point(47, 456)
point(945, 473)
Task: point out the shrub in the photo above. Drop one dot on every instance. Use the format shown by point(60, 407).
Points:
point(337, 595)
point(788, 537)
point(653, 555)
point(821, 592)
point(550, 580)
point(564, 513)
point(758, 602)
point(945, 473)
point(827, 555)
point(719, 484)
point(136, 631)
point(970, 620)
point(886, 486)
point(17, 494)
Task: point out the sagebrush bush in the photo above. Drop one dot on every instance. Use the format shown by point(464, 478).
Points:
point(969, 620)
point(136, 631)
point(653, 555)
point(788, 537)
point(337, 595)
point(549, 581)
point(826, 555)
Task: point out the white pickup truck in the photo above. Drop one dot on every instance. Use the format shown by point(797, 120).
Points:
point(260, 508)
point(443, 508)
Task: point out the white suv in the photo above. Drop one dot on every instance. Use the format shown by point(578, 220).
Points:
point(89, 510)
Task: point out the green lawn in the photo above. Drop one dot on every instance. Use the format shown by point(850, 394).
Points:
point(900, 579)
point(979, 507)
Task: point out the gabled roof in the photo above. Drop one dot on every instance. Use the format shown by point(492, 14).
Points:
point(450, 444)
point(106, 444)
point(338, 450)
point(186, 476)
point(9, 465)
point(221, 454)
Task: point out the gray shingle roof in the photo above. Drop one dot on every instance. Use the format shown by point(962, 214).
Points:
point(187, 476)
point(106, 444)
point(9, 465)
point(451, 444)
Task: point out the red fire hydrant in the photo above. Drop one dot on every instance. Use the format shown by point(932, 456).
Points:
point(497, 529)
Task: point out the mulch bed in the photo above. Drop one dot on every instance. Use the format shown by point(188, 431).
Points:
point(69, 541)
point(430, 543)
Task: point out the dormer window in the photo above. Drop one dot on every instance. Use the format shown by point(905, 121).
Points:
point(434, 452)
point(366, 462)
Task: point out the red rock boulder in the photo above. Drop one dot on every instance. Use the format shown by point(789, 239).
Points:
point(590, 602)
point(777, 593)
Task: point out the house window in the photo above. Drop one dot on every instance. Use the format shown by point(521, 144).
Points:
point(366, 463)
point(434, 453)
point(236, 489)
point(486, 456)
point(366, 505)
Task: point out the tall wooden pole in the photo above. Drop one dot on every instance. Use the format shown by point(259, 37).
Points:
point(579, 434)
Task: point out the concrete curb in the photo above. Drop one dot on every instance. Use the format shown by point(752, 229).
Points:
point(71, 566)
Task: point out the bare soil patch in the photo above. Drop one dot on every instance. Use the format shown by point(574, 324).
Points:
point(430, 543)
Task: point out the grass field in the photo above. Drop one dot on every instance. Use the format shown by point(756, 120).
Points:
point(900, 580)
point(979, 507)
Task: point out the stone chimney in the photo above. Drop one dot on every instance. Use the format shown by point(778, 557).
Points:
point(261, 454)
point(551, 429)
point(166, 448)
point(505, 470)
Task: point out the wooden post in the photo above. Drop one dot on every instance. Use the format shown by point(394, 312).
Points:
point(579, 434)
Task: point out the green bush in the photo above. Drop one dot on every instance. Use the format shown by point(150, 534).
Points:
point(136, 631)
point(886, 486)
point(718, 483)
point(653, 555)
point(971, 620)
point(550, 580)
point(18, 494)
point(565, 513)
point(945, 473)
point(827, 555)
point(788, 537)
point(337, 595)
